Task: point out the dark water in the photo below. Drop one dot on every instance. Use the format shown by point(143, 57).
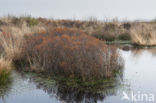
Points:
point(138, 77)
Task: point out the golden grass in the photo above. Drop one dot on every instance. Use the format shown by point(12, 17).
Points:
point(12, 38)
point(11, 43)
point(143, 34)
point(5, 64)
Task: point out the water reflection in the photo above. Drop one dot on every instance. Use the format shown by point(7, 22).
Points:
point(4, 90)
point(73, 95)
point(26, 87)
point(137, 52)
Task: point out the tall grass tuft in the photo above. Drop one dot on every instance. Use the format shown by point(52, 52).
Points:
point(12, 38)
point(11, 43)
point(143, 34)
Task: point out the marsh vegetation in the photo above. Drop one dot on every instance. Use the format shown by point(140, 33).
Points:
point(75, 54)
point(63, 49)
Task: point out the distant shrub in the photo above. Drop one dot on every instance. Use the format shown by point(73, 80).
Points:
point(110, 32)
point(153, 20)
point(32, 21)
point(28, 19)
point(103, 36)
point(127, 26)
point(2, 23)
point(124, 36)
point(72, 53)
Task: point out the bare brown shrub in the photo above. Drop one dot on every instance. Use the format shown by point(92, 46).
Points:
point(72, 53)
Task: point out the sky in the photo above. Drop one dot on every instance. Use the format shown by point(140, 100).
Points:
point(81, 9)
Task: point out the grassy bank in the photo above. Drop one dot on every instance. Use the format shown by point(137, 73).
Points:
point(139, 33)
point(104, 30)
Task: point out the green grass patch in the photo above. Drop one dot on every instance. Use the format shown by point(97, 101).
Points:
point(119, 42)
point(4, 77)
point(124, 36)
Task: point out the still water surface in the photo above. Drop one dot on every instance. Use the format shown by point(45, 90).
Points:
point(138, 76)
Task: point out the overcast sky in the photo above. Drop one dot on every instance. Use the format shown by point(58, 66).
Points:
point(78, 9)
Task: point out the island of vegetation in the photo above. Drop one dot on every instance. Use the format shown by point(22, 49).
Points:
point(73, 52)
